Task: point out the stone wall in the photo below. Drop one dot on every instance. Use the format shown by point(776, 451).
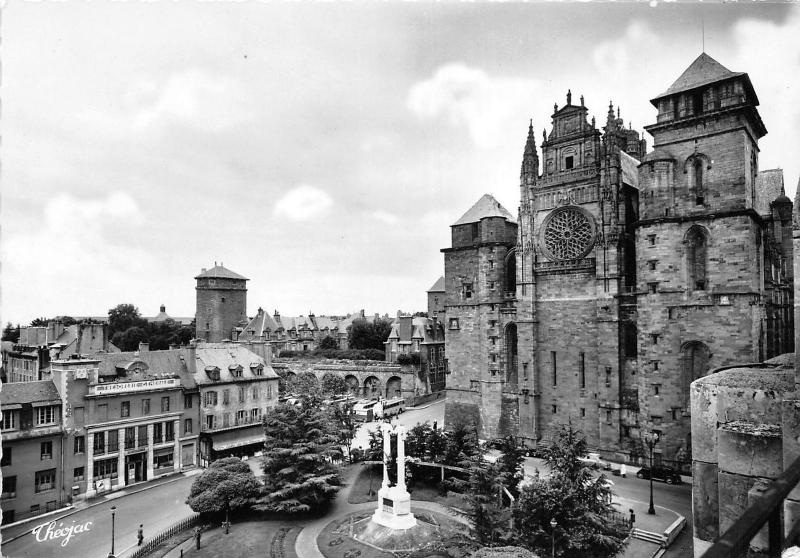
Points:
point(410, 384)
point(737, 444)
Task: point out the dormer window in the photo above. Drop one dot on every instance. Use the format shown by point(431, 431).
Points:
point(235, 370)
point(257, 369)
point(213, 373)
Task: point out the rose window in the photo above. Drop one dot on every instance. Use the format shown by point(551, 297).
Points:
point(568, 234)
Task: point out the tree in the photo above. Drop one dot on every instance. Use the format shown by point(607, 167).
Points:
point(11, 333)
point(228, 484)
point(129, 339)
point(328, 343)
point(39, 322)
point(123, 317)
point(299, 451)
point(304, 384)
point(510, 464)
point(362, 334)
point(333, 384)
point(576, 500)
point(462, 445)
point(346, 426)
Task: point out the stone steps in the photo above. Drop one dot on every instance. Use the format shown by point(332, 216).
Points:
point(649, 536)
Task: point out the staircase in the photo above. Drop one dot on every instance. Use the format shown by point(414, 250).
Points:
point(649, 537)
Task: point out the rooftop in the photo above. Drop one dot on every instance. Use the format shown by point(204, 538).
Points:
point(702, 71)
point(484, 208)
point(438, 286)
point(29, 392)
point(220, 272)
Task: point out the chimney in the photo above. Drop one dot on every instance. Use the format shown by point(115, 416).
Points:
point(144, 347)
point(260, 310)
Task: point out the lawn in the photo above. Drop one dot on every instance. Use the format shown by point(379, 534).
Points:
point(420, 491)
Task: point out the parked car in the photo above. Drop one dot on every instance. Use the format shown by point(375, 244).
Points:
point(670, 476)
point(594, 461)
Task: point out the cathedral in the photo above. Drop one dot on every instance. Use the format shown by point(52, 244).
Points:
point(626, 274)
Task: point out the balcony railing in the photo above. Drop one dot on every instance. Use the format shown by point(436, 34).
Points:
point(236, 422)
point(766, 510)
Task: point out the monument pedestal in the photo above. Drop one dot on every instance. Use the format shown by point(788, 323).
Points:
point(394, 509)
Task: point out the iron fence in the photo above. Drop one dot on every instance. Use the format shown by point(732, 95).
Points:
point(151, 544)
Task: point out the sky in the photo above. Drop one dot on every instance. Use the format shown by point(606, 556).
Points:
point(320, 149)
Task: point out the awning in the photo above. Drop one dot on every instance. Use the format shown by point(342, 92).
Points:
point(220, 445)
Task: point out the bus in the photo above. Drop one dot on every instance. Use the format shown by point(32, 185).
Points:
point(364, 411)
point(390, 407)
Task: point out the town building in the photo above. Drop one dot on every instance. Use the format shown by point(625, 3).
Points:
point(627, 275)
point(134, 416)
point(436, 297)
point(422, 338)
point(34, 446)
point(221, 309)
point(300, 333)
point(29, 358)
point(236, 388)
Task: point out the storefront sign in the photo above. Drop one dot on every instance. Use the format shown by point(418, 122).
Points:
point(49, 531)
point(127, 387)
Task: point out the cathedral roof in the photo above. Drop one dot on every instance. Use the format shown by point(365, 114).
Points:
point(219, 272)
point(438, 286)
point(630, 169)
point(485, 207)
point(702, 71)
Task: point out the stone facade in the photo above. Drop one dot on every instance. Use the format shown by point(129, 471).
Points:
point(221, 309)
point(634, 273)
point(366, 378)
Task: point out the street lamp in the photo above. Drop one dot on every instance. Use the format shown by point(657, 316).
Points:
point(553, 525)
point(113, 511)
point(651, 439)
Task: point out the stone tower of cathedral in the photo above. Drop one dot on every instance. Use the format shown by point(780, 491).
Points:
point(713, 240)
point(636, 273)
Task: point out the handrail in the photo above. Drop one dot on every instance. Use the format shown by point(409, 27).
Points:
point(735, 541)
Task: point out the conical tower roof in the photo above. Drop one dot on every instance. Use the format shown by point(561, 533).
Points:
point(702, 71)
point(485, 207)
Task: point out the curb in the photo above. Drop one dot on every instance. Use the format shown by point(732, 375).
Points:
point(75, 509)
point(425, 406)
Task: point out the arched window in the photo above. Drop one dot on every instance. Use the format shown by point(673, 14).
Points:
point(696, 258)
point(694, 357)
point(511, 354)
point(699, 191)
point(511, 272)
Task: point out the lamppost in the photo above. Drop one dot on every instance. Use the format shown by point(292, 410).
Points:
point(651, 439)
point(553, 525)
point(113, 511)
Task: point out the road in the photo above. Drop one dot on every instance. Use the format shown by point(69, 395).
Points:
point(156, 508)
point(162, 506)
point(676, 498)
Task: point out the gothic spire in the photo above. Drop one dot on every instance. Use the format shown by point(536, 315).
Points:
point(530, 159)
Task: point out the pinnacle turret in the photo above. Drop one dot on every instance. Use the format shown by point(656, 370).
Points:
point(530, 159)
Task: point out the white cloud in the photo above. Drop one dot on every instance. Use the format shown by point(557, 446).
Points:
point(619, 57)
point(192, 97)
point(488, 106)
point(303, 203)
point(385, 217)
point(71, 253)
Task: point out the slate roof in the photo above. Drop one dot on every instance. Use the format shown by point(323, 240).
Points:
point(225, 355)
point(421, 328)
point(659, 154)
point(485, 207)
point(220, 272)
point(702, 71)
point(630, 170)
point(769, 187)
point(159, 363)
point(438, 286)
point(29, 392)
